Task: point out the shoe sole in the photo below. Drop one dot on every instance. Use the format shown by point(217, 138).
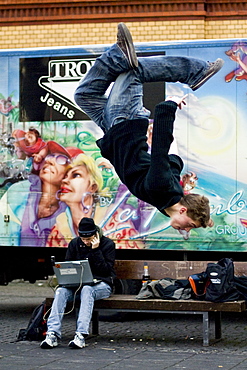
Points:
point(46, 346)
point(220, 63)
point(74, 346)
point(126, 35)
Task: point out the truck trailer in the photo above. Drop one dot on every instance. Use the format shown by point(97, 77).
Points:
point(37, 103)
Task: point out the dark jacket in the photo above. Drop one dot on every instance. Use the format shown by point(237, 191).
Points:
point(101, 259)
point(152, 178)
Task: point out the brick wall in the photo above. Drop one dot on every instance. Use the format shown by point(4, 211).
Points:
point(105, 33)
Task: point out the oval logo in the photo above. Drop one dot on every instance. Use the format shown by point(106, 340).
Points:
point(213, 273)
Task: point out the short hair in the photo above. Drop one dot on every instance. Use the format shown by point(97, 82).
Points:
point(92, 168)
point(198, 208)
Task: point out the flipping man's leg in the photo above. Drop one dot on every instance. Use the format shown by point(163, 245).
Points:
point(125, 101)
point(121, 57)
point(191, 71)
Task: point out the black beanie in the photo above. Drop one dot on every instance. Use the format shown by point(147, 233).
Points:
point(87, 227)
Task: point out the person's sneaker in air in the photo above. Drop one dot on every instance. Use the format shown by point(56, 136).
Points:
point(78, 341)
point(213, 68)
point(50, 341)
point(125, 42)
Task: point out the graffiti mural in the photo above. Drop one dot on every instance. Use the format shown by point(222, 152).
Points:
point(52, 173)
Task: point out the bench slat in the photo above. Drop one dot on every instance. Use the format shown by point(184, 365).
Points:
point(130, 302)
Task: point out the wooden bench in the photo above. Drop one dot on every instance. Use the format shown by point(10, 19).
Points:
point(173, 269)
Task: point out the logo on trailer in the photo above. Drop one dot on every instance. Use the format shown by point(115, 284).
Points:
point(63, 79)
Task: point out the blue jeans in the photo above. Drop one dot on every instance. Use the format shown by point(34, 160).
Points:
point(88, 295)
point(125, 99)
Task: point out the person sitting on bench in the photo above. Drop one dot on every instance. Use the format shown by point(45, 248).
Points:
point(91, 244)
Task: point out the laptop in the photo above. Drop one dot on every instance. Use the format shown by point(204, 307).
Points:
point(71, 274)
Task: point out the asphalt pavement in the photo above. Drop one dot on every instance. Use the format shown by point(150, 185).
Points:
point(135, 341)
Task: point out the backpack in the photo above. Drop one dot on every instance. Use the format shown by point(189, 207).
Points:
point(36, 329)
point(221, 287)
point(199, 283)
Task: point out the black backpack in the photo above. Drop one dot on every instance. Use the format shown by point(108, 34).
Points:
point(221, 287)
point(36, 329)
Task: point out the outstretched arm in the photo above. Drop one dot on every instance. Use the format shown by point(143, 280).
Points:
point(178, 100)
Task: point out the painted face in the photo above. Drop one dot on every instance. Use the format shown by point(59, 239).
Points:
point(30, 138)
point(181, 221)
point(189, 181)
point(52, 170)
point(75, 184)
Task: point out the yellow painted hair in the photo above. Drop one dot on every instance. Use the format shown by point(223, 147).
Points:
point(92, 168)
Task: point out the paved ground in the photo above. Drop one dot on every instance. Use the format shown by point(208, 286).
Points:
point(134, 342)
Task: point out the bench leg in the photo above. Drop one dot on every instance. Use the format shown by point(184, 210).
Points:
point(217, 319)
point(95, 322)
point(205, 329)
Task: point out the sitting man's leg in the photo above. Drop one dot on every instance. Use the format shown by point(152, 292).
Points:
point(54, 322)
point(89, 294)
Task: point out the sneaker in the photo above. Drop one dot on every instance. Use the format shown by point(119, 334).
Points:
point(50, 341)
point(213, 68)
point(77, 342)
point(125, 42)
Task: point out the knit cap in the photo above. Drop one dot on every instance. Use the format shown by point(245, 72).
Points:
point(87, 227)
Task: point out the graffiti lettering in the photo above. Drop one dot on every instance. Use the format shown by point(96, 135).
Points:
point(230, 230)
point(149, 219)
point(105, 201)
point(113, 210)
point(235, 205)
point(127, 214)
